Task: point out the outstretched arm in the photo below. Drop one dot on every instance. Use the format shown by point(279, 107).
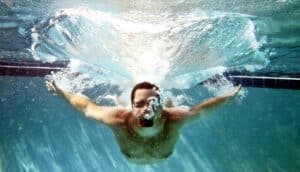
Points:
point(108, 115)
point(179, 114)
point(213, 102)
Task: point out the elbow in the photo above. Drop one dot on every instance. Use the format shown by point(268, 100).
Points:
point(192, 112)
point(196, 110)
point(92, 116)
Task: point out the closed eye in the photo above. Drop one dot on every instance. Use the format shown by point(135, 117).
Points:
point(139, 104)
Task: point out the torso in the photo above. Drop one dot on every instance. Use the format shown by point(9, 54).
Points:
point(147, 150)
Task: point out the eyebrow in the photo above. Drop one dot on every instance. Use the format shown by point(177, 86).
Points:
point(142, 101)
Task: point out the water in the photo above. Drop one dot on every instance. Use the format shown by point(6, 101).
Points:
point(47, 134)
point(176, 44)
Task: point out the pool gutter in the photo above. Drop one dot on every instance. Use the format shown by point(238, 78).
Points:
point(34, 68)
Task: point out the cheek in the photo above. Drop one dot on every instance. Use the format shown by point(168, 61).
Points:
point(136, 112)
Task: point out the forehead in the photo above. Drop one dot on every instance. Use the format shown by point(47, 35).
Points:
point(143, 94)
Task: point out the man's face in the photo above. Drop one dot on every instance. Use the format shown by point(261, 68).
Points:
point(140, 104)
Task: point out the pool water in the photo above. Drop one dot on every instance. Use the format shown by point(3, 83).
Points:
point(42, 132)
point(111, 45)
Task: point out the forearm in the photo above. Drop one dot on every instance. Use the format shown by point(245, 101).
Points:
point(210, 103)
point(79, 102)
point(84, 105)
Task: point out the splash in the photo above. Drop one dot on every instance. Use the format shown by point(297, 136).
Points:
point(174, 50)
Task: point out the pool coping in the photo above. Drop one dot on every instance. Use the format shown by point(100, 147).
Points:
point(38, 68)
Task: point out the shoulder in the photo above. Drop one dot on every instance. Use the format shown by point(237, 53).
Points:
point(118, 117)
point(176, 113)
point(123, 112)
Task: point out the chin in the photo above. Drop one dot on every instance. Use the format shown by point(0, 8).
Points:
point(149, 128)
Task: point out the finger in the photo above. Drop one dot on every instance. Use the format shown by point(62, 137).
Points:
point(239, 87)
point(48, 83)
point(50, 86)
point(53, 83)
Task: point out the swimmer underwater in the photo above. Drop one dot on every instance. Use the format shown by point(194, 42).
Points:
point(148, 131)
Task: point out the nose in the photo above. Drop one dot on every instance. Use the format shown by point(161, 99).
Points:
point(145, 109)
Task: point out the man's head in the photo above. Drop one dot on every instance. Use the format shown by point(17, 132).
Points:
point(145, 102)
point(142, 85)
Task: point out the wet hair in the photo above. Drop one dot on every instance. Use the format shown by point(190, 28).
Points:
point(142, 85)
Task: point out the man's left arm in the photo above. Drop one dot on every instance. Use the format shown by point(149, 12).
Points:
point(183, 113)
point(213, 102)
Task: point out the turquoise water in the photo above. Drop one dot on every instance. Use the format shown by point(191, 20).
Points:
point(177, 44)
point(44, 133)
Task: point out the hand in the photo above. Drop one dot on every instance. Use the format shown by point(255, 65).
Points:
point(234, 92)
point(52, 86)
point(237, 89)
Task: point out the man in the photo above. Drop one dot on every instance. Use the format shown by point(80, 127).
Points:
point(147, 132)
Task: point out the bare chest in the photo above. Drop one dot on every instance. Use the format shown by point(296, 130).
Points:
point(141, 149)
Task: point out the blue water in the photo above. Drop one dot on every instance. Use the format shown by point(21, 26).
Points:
point(44, 133)
point(113, 44)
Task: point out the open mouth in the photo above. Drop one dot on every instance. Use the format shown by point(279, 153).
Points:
point(146, 122)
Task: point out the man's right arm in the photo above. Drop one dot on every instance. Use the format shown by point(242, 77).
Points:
point(108, 115)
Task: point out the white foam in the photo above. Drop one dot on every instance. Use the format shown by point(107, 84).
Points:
point(174, 50)
point(221, 86)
